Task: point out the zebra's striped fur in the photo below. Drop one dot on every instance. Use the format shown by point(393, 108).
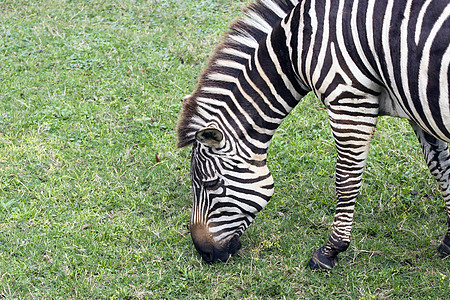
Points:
point(362, 58)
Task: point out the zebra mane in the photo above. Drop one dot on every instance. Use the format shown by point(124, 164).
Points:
point(239, 43)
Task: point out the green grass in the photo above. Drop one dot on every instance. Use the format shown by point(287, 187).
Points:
point(95, 197)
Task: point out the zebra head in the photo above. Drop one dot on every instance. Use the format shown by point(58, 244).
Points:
point(228, 191)
point(230, 119)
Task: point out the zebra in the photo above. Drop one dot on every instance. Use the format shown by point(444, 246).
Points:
point(362, 59)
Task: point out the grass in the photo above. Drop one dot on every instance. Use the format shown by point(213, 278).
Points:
point(95, 198)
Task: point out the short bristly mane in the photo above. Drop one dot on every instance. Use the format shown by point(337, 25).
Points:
point(239, 43)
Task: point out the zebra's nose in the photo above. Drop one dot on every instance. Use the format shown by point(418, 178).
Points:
point(211, 254)
point(212, 251)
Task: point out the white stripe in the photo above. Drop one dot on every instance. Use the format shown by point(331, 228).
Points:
point(444, 102)
point(370, 35)
point(423, 71)
point(229, 64)
point(236, 52)
point(255, 20)
point(311, 53)
point(404, 57)
point(244, 39)
point(224, 235)
point(356, 72)
point(274, 7)
point(283, 76)
point(332, 71)
point(356, 40)
point(420, 20)
point(300, 49)
point(323, 49)
point(286, 25)
point(263, 96)
point(385, 39)
point(263, 75)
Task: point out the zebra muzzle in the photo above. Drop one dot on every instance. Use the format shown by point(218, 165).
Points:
point(210, 250)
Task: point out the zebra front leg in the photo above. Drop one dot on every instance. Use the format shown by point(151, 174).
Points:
point(352, 138)
point(437, 158)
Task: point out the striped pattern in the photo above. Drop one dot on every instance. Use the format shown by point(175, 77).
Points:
point(362, 58)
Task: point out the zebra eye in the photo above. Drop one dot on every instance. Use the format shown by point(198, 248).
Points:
point(211, 184)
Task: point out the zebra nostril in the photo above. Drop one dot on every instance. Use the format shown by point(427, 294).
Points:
point(205, 251)
point(208, 256)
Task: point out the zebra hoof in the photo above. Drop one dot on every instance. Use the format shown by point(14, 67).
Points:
point(444, 247)
point(319, 261)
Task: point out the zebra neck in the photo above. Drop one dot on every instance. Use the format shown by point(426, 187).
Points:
point(249, 85)
point(250, 98)
point(270, 88)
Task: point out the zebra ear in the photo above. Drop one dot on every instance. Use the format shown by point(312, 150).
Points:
point(210, 136)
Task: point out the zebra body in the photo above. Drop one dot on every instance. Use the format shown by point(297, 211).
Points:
point(362, 58)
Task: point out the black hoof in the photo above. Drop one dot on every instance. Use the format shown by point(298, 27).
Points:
point(444, 247)
point(319, 261)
